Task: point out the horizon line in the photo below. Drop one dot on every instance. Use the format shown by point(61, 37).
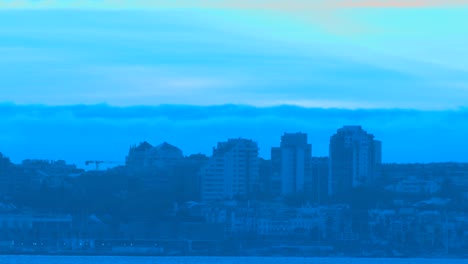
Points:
point(262, 106)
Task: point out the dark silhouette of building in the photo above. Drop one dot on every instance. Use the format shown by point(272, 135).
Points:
point(265, 175)
point(154, 166)
point(355, 158)
point(187, 178)
point(139, 156)
point(291, 163)
point(320, 171)
point(5, 174)
point(232, 171)
point(33, 174)
point(145, 155)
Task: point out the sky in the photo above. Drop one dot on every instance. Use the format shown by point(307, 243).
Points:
point(352, 55)
point(102, 132)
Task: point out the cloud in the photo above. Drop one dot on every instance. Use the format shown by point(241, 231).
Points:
point(397, 3)
point(277, 5)
point(184, 57)
point(323, 13)
point(309, 86)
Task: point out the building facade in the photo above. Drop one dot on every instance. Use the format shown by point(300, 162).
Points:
point(232, 171)
point(156, 167)
point(291, 163)
point(5, 177)
point(355, 159)
point(145, 155)
point(320, 171)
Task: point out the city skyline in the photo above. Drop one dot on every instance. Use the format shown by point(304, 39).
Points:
point(102, 132)
point(161, 197)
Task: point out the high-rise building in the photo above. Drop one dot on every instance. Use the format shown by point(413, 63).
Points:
point(154, 166)
point(232, 171)
point(291, 165)
point(320, 173)
point(145, 155)
point(265, 174)
point(5, 164)
point(5, 177)
point(187, 177)
point(355, 159)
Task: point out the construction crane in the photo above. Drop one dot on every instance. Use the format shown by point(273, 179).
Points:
point(98, 162)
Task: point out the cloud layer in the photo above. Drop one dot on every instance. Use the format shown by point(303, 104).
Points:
point(166, 57)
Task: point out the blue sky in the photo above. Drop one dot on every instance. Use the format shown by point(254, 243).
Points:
point(103, 132)
point(63, 52)
point(339, 54)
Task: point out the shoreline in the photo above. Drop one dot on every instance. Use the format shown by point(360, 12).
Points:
point(107, 254)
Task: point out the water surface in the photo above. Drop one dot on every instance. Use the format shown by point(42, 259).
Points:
point(212, 260)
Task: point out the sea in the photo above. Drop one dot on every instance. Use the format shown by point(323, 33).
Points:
point(214, 260)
